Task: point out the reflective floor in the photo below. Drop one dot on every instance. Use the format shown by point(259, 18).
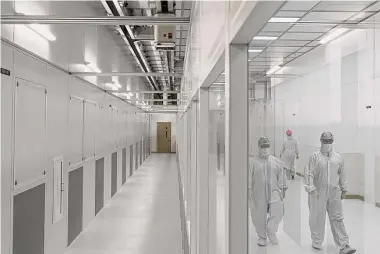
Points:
point(142, 218)
point(362, 222)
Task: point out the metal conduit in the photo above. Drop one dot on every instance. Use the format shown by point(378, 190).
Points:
point(107, 20)
point(135, 74)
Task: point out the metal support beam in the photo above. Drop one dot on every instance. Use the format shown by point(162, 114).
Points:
point(134, 74)
point(141, 91)
point(106, 20)
point(149, 100)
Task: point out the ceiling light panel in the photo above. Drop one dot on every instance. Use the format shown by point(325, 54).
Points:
point(283, 20)
point(265, 38)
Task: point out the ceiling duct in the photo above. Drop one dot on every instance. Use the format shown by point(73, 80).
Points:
point(165, 35)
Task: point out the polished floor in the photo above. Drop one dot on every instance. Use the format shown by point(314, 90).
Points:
point(142, 218)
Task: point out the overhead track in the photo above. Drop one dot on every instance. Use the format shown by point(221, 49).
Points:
point(141, 91)
point(134, 74)
point(106, 20)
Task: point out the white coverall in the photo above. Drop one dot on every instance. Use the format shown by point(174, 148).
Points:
point(266, 185)
point(325, 180)
point(288, 155)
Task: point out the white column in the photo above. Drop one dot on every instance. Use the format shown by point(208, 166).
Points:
point(237, 148)
point(192, 144)
point(203, 172)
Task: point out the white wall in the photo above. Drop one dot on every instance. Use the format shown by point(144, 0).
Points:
point(336, 84)
point(164, 117)
point(107, 132)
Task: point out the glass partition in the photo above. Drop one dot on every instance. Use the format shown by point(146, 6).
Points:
point(314, 93)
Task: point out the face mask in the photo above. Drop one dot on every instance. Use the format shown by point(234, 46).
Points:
point(326, 148)
point(264, 152)
point(289, 137)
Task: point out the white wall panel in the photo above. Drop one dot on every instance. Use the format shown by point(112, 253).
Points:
point(76, 129)
point(91, 112)
point(30, 132)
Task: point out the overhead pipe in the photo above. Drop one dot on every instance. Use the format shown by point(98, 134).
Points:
point(129, 37)
point(90, 20)
point(132, 74)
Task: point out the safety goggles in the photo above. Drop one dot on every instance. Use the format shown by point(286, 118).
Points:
point(265, 146)
point(327, 141)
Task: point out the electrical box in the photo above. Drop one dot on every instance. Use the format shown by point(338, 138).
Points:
point(165, 35)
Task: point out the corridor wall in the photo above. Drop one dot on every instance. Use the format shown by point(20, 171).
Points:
point(65, 119)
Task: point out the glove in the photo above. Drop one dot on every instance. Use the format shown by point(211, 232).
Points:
point(343, 196)
point(314, 194)
point(297, 157)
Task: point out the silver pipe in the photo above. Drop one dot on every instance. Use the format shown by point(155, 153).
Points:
point(141, 91)
point(106, 20)
point(150, 100)
point(135, 74)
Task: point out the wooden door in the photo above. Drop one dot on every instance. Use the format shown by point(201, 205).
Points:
point(164, 133)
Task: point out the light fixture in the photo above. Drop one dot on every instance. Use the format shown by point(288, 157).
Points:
point(113, 86)
point(42, 31)
point(254, 50)
point(273, 70)
point(283, 20)
point(331, 36)
point(92, 67)
point(265, 38)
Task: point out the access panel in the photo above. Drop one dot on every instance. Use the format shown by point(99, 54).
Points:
point(113, 174)
point(75, 204)
point(30, 132)
point(124, 166)
point(137, 156)
point(99, 185)
point(29, 221)
point(130, 160)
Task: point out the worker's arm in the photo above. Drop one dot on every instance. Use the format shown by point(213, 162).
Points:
point(309, 175)
point(342, 177)
point(297, 152)
point(281, 179)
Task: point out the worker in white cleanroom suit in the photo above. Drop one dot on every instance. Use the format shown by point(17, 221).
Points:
point(325, 181)
point(267, 186)
point(289, 154)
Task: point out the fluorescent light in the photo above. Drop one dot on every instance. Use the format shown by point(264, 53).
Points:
point(265, 38)
point(113, 86)
point(42, 31)
point(273, 70)
point(93, 67)
point(283, 20)
point(331, 36)
point(254, 50)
